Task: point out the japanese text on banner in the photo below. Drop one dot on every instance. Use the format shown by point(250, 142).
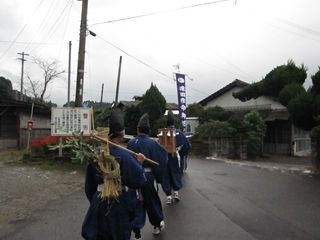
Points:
point(182, 102)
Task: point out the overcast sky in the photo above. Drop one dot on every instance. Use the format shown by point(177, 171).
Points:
point(214, 44)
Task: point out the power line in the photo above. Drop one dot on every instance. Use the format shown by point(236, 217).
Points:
point(56, 23)
point(34, 43)
point(300, 27)
point(48, 15)
point(146, 64)
point(161, 12)
point(18, 35)
point(137, 59)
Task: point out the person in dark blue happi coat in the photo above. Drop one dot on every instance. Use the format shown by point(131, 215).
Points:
point(172, 177)
point(108, 218)
point(184, 155)
point(153, 150)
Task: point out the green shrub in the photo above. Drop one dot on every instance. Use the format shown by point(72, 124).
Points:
point(213, 129)
point(255, 130)
point(315, 132)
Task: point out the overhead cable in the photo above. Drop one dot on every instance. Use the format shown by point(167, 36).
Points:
point(160, 12)
point(145, 64)
point(23, 28)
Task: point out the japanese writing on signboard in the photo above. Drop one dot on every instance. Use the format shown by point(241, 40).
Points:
point(182, 102)
point(66, 120)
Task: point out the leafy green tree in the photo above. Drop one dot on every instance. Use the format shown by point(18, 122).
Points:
point(131, 119)
point(101, 116)
point(236, 123)
point(285, 82)
point(214, 113)
point(162, 123)
point(194, 110)
point(255, 130)
point(153, 103)
point(315, 89)
point(213, 129)
point(274, 82)
point(300, 109)
point(289, 92)
point(5, 88)
point(252, 91)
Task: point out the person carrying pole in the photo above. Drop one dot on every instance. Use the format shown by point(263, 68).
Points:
point(154, 173)
point(106, 186)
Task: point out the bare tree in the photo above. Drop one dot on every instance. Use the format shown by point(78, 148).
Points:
point(50, 71)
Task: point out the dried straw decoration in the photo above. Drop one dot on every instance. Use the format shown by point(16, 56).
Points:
point(110, 169)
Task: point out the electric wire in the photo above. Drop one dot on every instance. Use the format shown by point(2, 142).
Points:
point(48, 15)
point(160, 12)
point(23, 28)
point(43, 24)
point(300, 27)
point(25, 43)
point(146, 64)
point(65, 29)
point(54, 26)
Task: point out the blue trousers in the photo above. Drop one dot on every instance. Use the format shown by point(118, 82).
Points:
point(172, 176)
point(151, 201)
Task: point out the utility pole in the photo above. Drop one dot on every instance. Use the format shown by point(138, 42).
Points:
point(69, 74)
point(118, 81)
point(81, 54)
point(101, 94)
point(22, 69)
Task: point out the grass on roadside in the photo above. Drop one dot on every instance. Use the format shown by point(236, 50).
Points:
point(11, 155)
point(14, 156)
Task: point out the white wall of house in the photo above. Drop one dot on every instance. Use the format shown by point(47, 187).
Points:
point(227, 101)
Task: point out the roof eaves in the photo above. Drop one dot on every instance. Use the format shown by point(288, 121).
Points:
point(235, 83)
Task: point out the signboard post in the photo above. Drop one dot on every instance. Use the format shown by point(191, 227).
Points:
point(66, 120)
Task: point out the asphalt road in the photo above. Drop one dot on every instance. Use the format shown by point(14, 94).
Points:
point(219, 201)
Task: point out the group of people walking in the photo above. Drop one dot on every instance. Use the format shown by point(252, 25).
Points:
point(122, 215)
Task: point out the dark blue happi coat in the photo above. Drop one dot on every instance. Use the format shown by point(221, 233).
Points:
point(172, 176)
point(109, 219)
point(153, 150)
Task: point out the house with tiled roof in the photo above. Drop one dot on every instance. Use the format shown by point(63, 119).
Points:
point(282, 137)
point(15, 111)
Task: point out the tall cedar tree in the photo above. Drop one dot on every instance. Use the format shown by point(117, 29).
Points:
point(153, 103)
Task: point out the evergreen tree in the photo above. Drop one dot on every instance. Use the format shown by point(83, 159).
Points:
point(274, 82)
point(153, 103)
point(5, 88)
point(214, 113)
point(255, 130)
point(131, 119)
point(194, 110)
point(285, 83)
